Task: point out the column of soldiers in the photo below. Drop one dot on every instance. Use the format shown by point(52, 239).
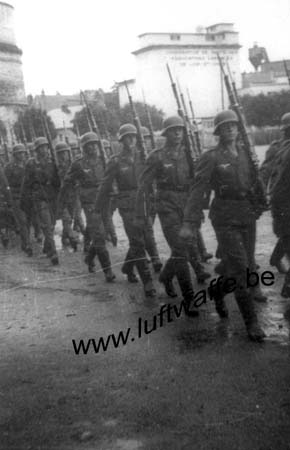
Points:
point(163, 185)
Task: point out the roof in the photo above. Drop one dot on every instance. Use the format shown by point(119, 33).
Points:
point(50, 102)
point(63, 119)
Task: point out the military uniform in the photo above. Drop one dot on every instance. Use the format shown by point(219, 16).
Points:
point(87, 173)
point(67, 211)
point(233, 217)
point(14, 172)
point(169, 168)
point(124, 169)
point(41, 186)
point(275, 173)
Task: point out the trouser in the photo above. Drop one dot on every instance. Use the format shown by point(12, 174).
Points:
point(96, 233)
point(67, 219)
point(107, 215)
point(181, 252)
point(238, 252)
point(136, 254)
point(77, 216)
point(47, 216)
point(33, 219)
point(23, 224)
point(281, 229)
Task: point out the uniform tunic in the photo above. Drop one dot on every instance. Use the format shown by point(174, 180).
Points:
point(41, 185)
point(232, 213)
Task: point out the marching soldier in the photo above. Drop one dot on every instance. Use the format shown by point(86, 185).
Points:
point(14, 172)
point(124, 168)
point(275, 172)
point(87, 172)
point(226, 170)
point(40, 186)
point(63, 154)
point(168, 167)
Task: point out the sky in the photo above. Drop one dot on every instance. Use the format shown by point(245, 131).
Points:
point(70, 45)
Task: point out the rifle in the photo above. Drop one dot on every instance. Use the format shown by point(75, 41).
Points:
point(137, 123)
point(186, 116)
point(94, 127)
point(24, 140)
point(258, 195)
point(49, 140)
point(196, 132)
point(150, 126)
point(286, 70)
point(189, 150)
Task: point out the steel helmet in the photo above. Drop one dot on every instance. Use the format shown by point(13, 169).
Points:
point(127, 128)
point(285, 121)
point(17, 148)
point(62, 147)
point(145, 132)
point(88, 137)
point(171, 122)
point(39, 142)
point(225, 116)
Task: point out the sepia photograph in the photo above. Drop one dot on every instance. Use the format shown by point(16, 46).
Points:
point(144, 225)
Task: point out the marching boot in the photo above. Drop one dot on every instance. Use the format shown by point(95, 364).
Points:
point(128, 268)
point(216, 293)
point(184, 281)
point(89, 259)
point(105, 262)
point(277, 255)
point(286, 286)
point(54, 260)
point(257, 294)
point(246, 307)
point(87, 241)
point(201, 274)
point(145, 275)
point(166, 277)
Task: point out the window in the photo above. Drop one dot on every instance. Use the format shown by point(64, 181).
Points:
point(175, 37)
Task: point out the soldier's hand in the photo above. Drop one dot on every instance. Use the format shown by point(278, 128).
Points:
point(186, 232)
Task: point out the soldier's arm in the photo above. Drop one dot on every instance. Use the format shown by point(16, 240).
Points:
point(193, 213)
point(269, 162)
point(26, 187)
point(107, 184)
point(145, 182)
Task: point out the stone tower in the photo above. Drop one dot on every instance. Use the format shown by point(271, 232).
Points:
point(12, 94)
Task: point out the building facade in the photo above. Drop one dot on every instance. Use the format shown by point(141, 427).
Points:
point(12, 94)
point(192, 58)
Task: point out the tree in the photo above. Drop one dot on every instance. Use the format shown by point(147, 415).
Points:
point(109, 116)
point(29, 125)
point(266, 110)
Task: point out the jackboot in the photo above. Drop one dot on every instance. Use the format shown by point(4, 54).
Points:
point(277, 255)
point(184, 281)
point(89, 258)
point(286, 286)
point(257, 294)
point(87, 241)
point(216, 293)
point(105, 262)
point(201, 274)
point(247, 309)
point(128, 268)
point(145, 275)
point(166, 277)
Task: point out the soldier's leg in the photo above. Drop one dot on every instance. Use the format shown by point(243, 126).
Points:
point(68, 235)
point(87, 237)
point(234, 242)
point(151, 247)
point(178, 262)
point(286, 246)
point(109, 224)
point(24, 229)
point(77, 215)
point(195, 261)
point(98, 245)
point(47, 222)
point(137, 249)
point(250, 243)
